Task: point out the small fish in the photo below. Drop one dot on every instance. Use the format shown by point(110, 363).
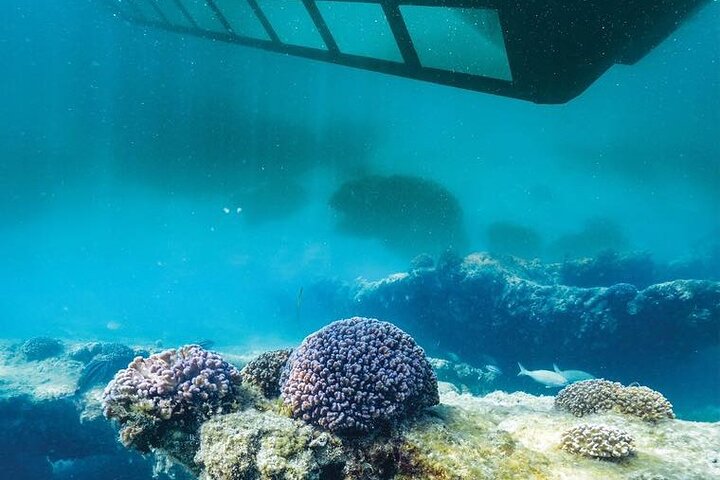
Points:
point(494, 369)
point(112, 325)
point(573, 376)
point(206, 344)
point(488, 359)
point(547, 377)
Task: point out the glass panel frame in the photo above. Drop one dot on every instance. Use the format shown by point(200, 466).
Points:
point(360, 29)
point(463, 40)
point(173, 13)
point(242, 19)
point(204, 16)
point(292, 23)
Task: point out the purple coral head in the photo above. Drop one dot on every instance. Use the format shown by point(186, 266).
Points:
point(189, 382)
point(357, 374)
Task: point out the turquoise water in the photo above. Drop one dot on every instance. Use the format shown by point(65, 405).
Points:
point(162, 188)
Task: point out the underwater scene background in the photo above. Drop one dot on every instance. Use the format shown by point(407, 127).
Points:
point(158, 190)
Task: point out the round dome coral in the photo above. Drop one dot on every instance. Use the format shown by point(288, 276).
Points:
point(357, 374)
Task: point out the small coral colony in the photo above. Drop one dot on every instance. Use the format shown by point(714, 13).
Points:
point(350, 385)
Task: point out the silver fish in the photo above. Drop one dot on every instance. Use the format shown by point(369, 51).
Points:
point(547, 377)
point(573, 376)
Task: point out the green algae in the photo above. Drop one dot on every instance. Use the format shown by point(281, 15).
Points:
point(455, 444)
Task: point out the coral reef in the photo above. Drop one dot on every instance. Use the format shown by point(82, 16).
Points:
point(422, 261)
point(465, 377)
point(480, 304)
point(264, 371)
point(452, 443)
point(608, 268)
point(175, 388)
point(40, 348)
point(498, 436)
point(357, 374)
point(87, 351)
point(592, 396)
point(598, 441)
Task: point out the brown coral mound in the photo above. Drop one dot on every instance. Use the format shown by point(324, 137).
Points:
point(645, 403)
point(592, 396)
point(589, 396)
point(598, 441)
point(264, 371)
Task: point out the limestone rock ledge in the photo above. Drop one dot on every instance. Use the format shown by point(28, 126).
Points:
point(498, 436)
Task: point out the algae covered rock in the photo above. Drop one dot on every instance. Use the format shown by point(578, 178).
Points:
point(496, 437)
point(265, 446)
point(450, 443)
point(457, 443)
point(40, 348)
point(484, 305)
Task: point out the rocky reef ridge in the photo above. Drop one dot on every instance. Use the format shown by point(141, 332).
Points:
point(517, 309)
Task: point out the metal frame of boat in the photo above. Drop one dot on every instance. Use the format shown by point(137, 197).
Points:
point(554, 49)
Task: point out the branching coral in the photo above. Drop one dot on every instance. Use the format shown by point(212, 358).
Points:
point(598, 441)
point(174, 388)
point(357, 374)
